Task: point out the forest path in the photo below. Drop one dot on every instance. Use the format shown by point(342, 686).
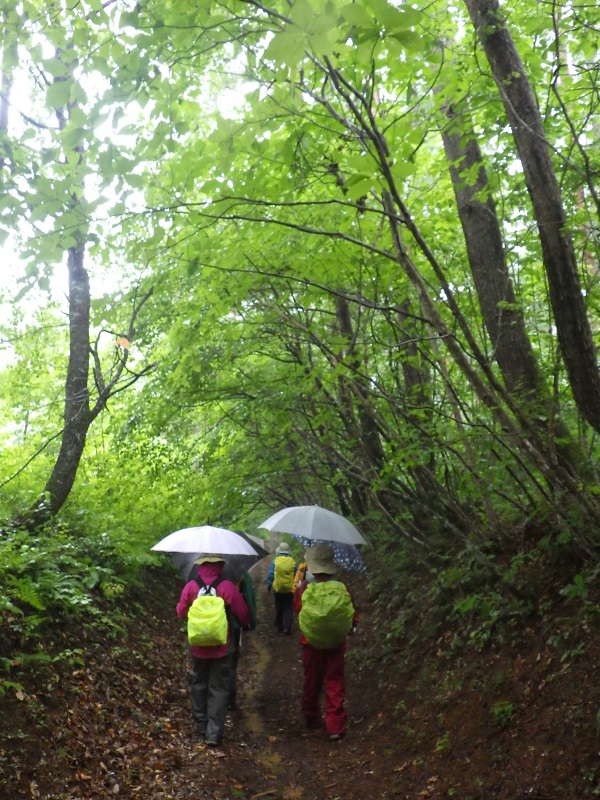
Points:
point(107, 713)
point(114, 720)
point(286, 761)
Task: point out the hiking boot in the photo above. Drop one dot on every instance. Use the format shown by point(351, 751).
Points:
point(313, 726)
point(212, 742)
point(333, 737)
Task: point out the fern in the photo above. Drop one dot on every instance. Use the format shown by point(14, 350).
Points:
point(24, 590)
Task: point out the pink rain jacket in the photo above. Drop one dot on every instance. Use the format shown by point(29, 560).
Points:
point(234, 601)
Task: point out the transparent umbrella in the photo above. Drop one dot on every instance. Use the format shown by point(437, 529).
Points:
point(240, 551)
point(235, 565)
point(315, 523)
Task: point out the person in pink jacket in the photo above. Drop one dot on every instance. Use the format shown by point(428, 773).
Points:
point(210, 665)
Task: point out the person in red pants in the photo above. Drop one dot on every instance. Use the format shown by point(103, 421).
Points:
point(323, 667)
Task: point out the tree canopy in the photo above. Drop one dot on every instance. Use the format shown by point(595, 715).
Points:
point(336, 253)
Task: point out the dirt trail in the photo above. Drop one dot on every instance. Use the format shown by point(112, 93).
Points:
point(118, 724)
point(424, 720)
point(288, 761)
point(300, 763)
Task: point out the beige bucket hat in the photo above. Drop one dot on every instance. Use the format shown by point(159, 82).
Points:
point(319, 559)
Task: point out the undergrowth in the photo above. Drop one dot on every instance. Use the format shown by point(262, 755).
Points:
point(486, 595)
point(59, 578)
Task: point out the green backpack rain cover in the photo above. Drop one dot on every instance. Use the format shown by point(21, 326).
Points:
point(207, 618)
point(283, 579)
point(326, 615)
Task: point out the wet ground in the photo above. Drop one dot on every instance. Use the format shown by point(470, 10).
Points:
point(428, 717)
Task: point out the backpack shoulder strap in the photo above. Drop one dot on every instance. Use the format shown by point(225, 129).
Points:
point(203, 585)
point(209, 588)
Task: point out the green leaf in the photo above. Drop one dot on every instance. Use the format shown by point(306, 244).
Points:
point(358, 186)
point(72, 137)
point(302, 14)
point(56, 67)
point(403, 169)
point(58, 93)
point(358, 16)
point(287, 48)
point(360, 163)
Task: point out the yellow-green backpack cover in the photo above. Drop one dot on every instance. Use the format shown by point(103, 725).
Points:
point(326, 615)
point(283, 579)
point(207, 617)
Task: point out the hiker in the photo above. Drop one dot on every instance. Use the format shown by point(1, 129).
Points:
point(302, 574)
point(280, 578)
point(326, 615)
point(246, 587)
point(209, 633)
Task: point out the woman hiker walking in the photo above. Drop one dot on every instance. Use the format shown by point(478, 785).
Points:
point(326, 616)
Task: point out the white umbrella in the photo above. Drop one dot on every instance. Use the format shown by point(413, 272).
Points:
point(236, 564)
point(207, 539)
point(314, 522)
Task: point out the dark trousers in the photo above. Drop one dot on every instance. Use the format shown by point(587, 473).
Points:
point(234, 657)
point(324, 668)
point(210, 694)
point(284, 611)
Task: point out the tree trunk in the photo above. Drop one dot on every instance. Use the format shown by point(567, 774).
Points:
point(573, 329)
point(77, 416)
point(415, 380)
point(503, 320)
point(6, 82)
point(483, 238)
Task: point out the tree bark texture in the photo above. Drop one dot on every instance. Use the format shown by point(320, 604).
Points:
point(77, 415)
point(485, 250)
point(573, 329)
point(503, 320)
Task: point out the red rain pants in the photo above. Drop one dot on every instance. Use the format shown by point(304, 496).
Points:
point(324, 668)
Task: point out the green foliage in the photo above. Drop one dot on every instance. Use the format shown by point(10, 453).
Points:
point(575, 590)
point(60, 578)
point(397, 629)
point(9, 686)
point(306, 350)
point(502, 712)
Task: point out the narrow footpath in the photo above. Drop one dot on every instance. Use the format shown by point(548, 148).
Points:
point(113, 720)
point(267, 752)
point(105, 711)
